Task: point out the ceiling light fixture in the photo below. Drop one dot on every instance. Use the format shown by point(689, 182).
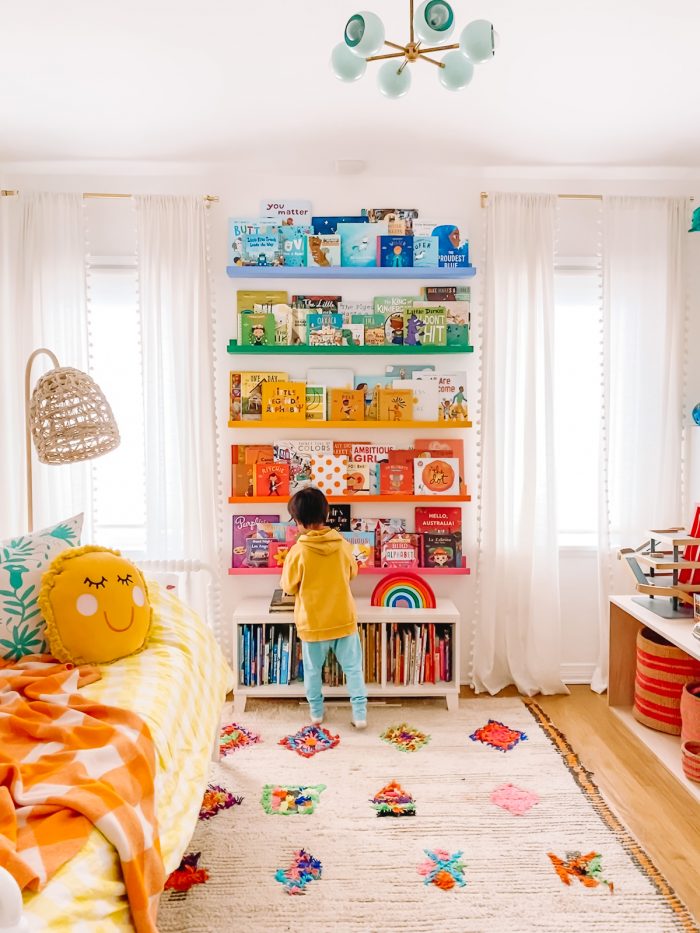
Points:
point(433, 22)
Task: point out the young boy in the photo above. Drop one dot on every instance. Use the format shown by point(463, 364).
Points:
point(318, 569)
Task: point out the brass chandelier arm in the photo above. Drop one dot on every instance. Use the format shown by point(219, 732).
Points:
point(439, 48)
point(431, 60)
point(377, 58)
point(410, 14)
point(393, 45)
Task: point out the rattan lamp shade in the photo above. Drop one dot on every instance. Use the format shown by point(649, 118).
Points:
point(69, 417)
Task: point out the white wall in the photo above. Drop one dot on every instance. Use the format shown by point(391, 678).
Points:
point(445, 196)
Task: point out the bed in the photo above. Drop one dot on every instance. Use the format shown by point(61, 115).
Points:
point(177, 685)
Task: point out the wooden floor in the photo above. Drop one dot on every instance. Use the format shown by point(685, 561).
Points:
point(655, 808)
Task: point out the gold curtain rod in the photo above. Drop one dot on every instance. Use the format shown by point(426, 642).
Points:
point(6, 193)
point(569, 197)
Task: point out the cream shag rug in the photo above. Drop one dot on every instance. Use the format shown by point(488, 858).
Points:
point(370, 880)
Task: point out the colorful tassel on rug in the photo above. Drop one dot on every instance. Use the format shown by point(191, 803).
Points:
point(303, 870)
point(187, 874)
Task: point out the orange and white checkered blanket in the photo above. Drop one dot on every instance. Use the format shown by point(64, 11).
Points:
point(67, 764)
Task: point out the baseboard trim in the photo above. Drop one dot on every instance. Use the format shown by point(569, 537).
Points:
point(577, 673)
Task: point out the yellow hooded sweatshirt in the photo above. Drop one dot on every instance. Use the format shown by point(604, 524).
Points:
point(318, 569)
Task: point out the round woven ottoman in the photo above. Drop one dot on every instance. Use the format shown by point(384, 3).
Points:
point(662, 672)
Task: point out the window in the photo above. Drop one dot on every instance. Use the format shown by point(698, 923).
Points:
point(118, 479)
point(577, 400)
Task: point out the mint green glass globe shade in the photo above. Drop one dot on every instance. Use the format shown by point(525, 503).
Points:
point(477, 41)
point(346, 65)
point(391, 82)
point(364, 34)
point(458, 71)
point(434, 21)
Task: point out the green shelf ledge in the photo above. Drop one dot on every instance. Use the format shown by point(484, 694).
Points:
point(349, 272)
point(384, 350)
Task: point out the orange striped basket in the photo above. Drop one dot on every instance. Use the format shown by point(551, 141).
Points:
point(690, 712)
point(690, 757)
point(662, 672)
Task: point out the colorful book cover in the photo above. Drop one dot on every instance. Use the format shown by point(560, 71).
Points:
point(277, 553)
point(251, 392)
point(261, 249)
point(244, 527)
point(436, 476)
point(399, 220)
point(374, 330)
point(358, 245)
point(292, 245)
point(381, 528)
point(330, 474)
point(414, 328)
point(235, 409)
point(439, 550)
point(395, 479)
point(238, 227)
point(349, 309)
point(257, 329)
point(431, 327)
point(400, 550)
point(395, 252)
point(346, 405)
point(373, 454)
point(289, 213)
point(453, 253)
point(392, 307)
point(395, 404)
point(445, 519)
point(298, 454)
point(276, 531)
point(354, 332)
point(363, 548)
point(405, 457)
point(323, 250)
point(320, 302)
point(425, 251)
point(339, 517)
point(257, 552)
point(370, 386)
point(337, 378)
point(324, 225)
point(296, 334)
point(315, 403)
point(324, 329)
point(281, 313)
point(404, 371)
point(248, 456)
point(359, 479)
point(452, 389)
point(344, 448)
point(271, 479)
point(443, 447)
point(261, 299)
point(458, 318)
point(283, 399)
point(426, 397)
point(443, 293)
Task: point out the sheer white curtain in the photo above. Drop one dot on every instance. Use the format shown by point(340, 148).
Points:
point(517, 627)
point(644, 320)
point(178, 367)
point(42, 304)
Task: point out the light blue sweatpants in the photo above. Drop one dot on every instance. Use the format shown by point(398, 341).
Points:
point(348, 651)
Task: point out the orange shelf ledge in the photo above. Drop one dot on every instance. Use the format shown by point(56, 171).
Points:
point(352, 425)
point(278, 500)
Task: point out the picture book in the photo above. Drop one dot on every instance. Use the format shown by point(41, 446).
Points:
point(426, 397)
point(445, 519)
point(330, 474)
point(363, 549)
point(243, 527)
point(443, 447)
point(325, 225)
point(436, 476)
point(276, 553)
point(339, 517)
point(407, 371)
point(285, 400)
point(261, 249)
point(282, 602)
point(257, 329)
point(400, 550)
point(257, 552)
point(399, 220)
point(260, 299)
point(323, 250)
point(425, 227)
point(359, 478)
point(430, 328)
point(292, 245)
point(381, 528)
point(324, 329)
point(395, 251)
point(443, 293)
point(395, 404)
point(354, 332)
point(276, 531)
point(439, 550)
point(271, 479)
point(414, 328)
point(458, 317)
point(251, 392)
point(320, 302)
point(349, 309)
point(370, 386)
point(296, 332)
point(298, 454)
point(373, 454)
point(395, 479)
point(452, 389)
point(402, 456)
point(281, 313)
point(234, 397)
point(346, 405)
point(238, 227)
point(288, 212)
point(425, 251)
point(248, 456)
point(337, 378)
point(315, 403)
point(358, 245)
point(393, 308)
point(374, 330)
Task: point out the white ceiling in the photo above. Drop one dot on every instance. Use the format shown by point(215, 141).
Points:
point(601, 82)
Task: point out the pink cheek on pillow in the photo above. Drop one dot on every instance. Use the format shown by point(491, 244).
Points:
point(86, 605)
point(138, 596)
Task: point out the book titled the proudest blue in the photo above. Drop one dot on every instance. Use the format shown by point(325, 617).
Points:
point(395, 251)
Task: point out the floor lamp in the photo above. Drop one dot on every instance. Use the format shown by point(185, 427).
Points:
point(68, 417)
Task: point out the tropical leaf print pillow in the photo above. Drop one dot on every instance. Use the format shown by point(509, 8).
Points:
point(23, 561)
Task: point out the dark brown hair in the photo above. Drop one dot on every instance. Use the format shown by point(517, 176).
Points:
point(308, 507)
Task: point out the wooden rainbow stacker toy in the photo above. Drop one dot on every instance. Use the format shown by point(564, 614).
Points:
point(672, 569)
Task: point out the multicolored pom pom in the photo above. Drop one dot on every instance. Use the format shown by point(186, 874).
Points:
point(233, 737)
point(187, 874)
point(442, 869)
point(498, 736)
point(405, 737)
point(393, 800)
point(286, 800)
point(217, 798)
point(303, 870)
point(587, 868)
point(310, 741)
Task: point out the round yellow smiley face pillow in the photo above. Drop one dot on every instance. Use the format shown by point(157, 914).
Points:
point(96, 606)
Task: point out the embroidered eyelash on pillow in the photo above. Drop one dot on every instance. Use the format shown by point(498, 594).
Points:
point(96, 606)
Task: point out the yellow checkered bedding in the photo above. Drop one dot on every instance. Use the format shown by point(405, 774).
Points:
point(177, 685)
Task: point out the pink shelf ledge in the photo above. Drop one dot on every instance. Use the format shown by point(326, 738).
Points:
point(376, 571)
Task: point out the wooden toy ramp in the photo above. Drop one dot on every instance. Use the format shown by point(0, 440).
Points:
point(666, 571)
